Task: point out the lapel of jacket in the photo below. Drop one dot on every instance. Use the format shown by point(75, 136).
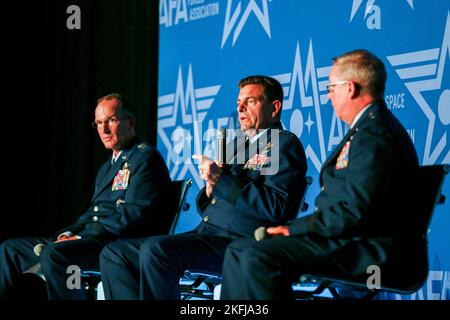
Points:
point(235, 147)
point(260, 143)
point(108, 176)
point(347, 137)
point(337, 150)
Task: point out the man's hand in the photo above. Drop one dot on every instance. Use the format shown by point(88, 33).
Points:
point(210, 170)
point(209, 189)
point(280, 230)
point(66, 237)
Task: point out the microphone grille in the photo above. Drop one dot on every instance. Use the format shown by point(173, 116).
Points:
point(38, 249)
point(221, 133)
point(260, 233)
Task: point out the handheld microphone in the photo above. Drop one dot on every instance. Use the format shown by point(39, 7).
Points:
point(221, 144)
point(38, 249)
point(261, 234)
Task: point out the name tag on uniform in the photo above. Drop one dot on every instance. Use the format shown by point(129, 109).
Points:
point(342, 160)
point(121, 179)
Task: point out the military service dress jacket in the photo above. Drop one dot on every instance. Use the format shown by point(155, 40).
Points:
point(129, 196)
point(366, 193)
point(265, 189)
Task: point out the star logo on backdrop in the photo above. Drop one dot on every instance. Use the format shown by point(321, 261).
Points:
point(357, 3)
point(193, 105)
point(429, 66)
point(309, 84)
point(240, 20)
point(309, 123)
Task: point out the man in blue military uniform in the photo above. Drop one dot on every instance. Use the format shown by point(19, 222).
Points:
point(129, 191)
point(362, 212)
point(261, 184)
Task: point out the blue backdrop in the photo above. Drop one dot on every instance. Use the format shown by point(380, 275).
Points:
point(206, 46)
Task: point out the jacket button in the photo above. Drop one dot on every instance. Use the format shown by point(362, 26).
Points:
point(95, 218)
point(95, 208)
point(213, 201)
point(205, 218)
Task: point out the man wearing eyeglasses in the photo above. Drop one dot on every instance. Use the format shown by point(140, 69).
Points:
point(238, 197)
point(129, 190)
point(363, 208)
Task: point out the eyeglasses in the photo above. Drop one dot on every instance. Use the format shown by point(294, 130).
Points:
point(331, 85)
point(112, 121)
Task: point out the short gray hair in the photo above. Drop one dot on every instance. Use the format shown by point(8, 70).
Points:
point(364, 68)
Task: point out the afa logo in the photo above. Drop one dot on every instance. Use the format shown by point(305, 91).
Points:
point(173, 12)
point(237, 21)
point(309, 83)
point(180, 117)
point(426, 75)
